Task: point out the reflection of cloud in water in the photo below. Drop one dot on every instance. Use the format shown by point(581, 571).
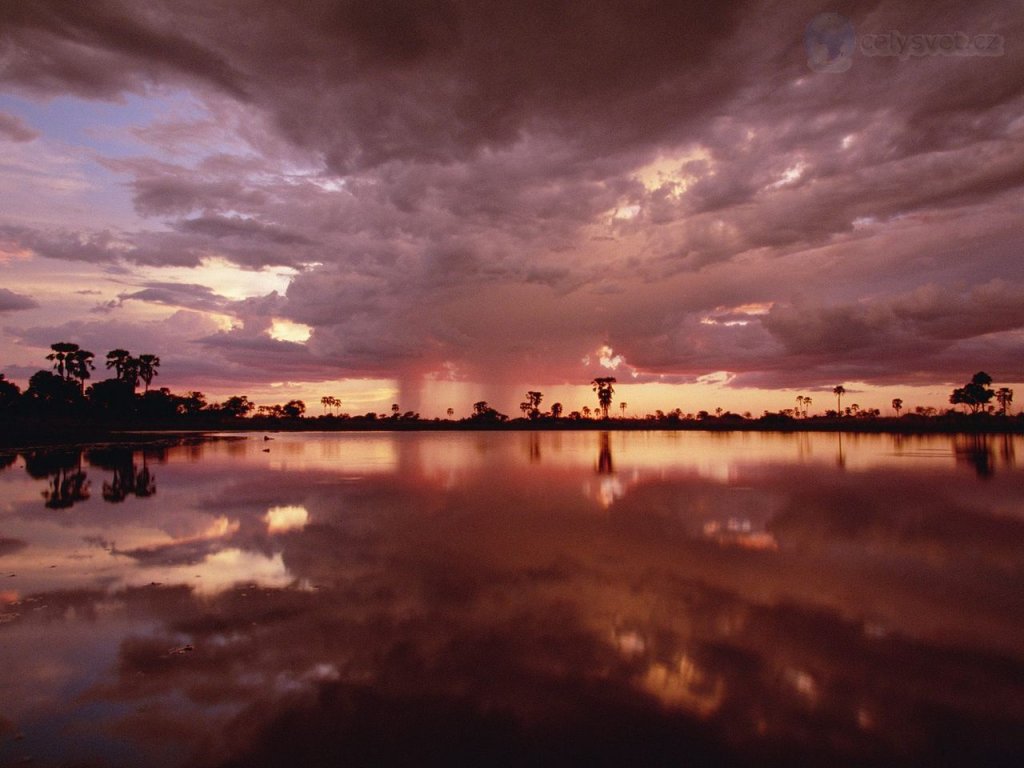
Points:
point(504, 606)
point(286, 518)
point(214, 572)
point(739, 532)
point(605, 490)
point(684, 685)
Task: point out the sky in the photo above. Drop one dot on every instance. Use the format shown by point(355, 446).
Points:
point(432, 203)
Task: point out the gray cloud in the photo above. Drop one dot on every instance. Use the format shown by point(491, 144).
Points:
point(459, 183)
point(10, 301)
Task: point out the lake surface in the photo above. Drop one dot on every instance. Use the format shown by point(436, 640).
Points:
point(515, 599)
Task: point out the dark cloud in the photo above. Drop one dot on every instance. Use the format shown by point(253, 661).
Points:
point(504, 187)
point(187, 296)
point(10, 301)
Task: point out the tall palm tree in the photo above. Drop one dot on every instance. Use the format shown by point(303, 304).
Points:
point(59, 356)
point(533, 400)
point(839, 390)
point(147, 365)
point(118, 359)
point(622, 407)
point(604, 389)
point(78, 365)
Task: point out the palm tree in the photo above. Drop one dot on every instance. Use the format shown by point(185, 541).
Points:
point(604, 389)
point(533, 403)
point(622, 407)
point(839, 390)
point(61, 351)
point(118, 359)
point(897, 405)
point(78, 365)
point(450, 412)
point(807, 404)
point(799, 404)
point(395, 410)
point(556, 410)
point(147, 368)
point(586, 411)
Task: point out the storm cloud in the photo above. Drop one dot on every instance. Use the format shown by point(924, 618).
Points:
point(497, 190)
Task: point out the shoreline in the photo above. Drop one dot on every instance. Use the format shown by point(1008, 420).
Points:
point(50, 437)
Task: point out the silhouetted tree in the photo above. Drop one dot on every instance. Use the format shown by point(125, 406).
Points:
point(604, 389)
point(294, 409)
point(533, 403)
point(483, 412)
point(839, 390)
point(79, 366)
point(52, 391)
point(976, 394)
point(9, 393)
point(59, 356)
point(1004, 396)
point(192, 403)
point(622, 408)
point(556, 410)
point(897, 405)
point(237, 406)
point(126, 367)
point(147, 368)
point(450, 412)
point(113, 397)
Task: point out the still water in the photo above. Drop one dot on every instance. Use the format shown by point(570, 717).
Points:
point(514, 599)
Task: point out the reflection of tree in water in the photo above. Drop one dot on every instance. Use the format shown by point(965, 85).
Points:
point(975, 450)
point(840, 458)
point(6, 460)
point(68, 484)
point(128, 479)
point(604, 456)
point(534, 447)
point(1008, 452)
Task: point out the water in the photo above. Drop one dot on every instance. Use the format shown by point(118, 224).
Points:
point(515, 598)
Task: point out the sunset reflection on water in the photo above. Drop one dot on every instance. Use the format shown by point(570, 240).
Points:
point(514, 597)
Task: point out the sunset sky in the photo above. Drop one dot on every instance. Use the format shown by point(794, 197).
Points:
point(435, 202)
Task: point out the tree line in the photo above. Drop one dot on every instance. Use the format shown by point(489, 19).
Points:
point(62, 393)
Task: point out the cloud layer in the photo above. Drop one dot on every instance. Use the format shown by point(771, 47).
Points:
point(496, 191)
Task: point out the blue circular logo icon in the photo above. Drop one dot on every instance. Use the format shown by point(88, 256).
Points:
point(830, 42)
